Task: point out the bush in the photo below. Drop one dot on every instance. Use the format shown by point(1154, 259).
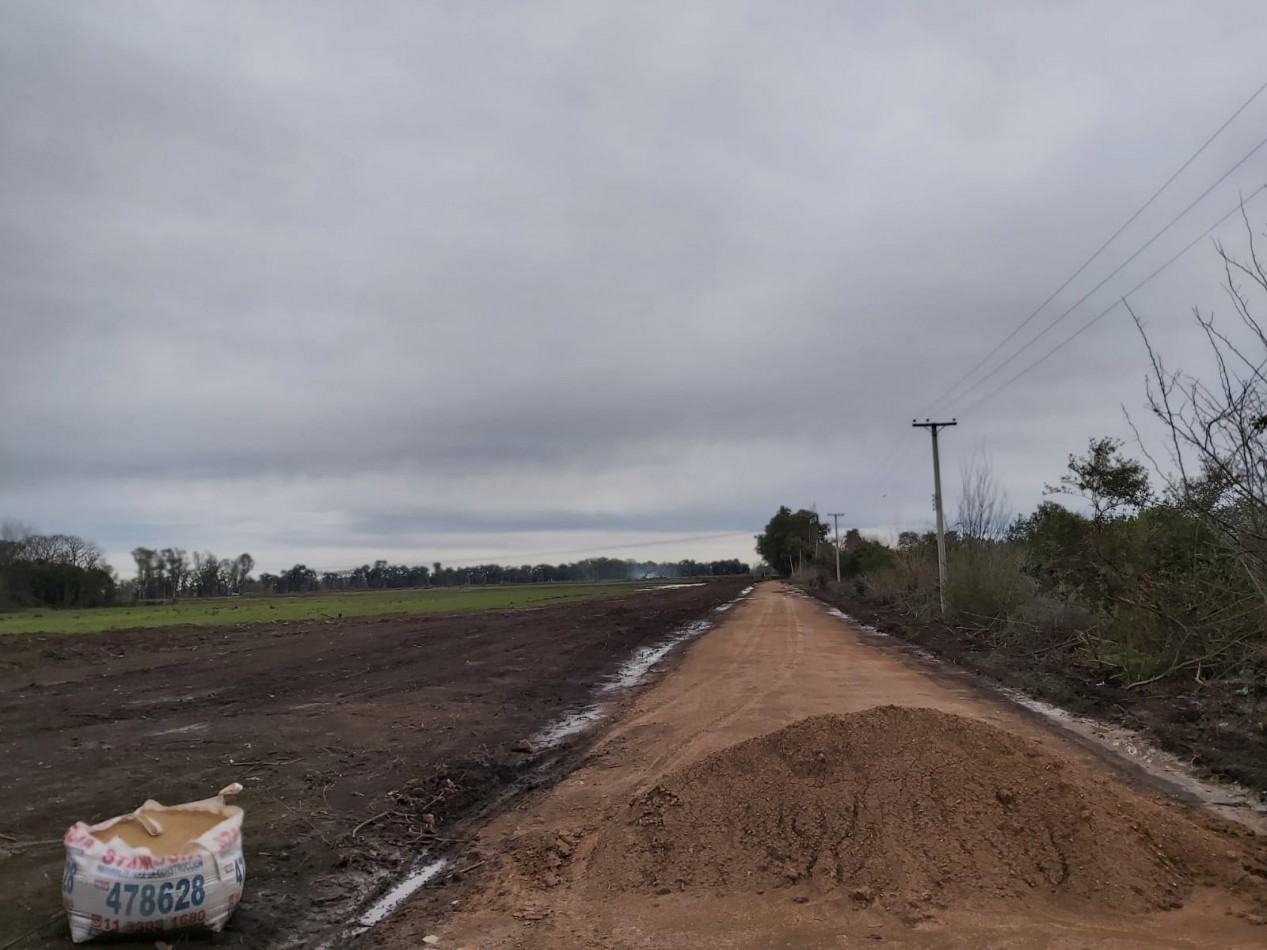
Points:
point(56, 584)
point(909, 582)
point(987, 584)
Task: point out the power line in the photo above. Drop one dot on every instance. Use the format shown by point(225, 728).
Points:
point(1117, 270)
point(892, 459)
point(889, 468)
point(1109, 309)
point(900, 448)
point(1129, 221)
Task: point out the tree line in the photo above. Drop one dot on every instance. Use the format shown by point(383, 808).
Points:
point(52, 570)
point(62, 570)
point(171, 573)
point(381, 574)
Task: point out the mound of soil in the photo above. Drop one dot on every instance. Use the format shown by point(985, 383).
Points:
point(916, 808)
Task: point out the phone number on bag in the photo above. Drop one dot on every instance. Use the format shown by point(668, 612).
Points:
point(113, 926)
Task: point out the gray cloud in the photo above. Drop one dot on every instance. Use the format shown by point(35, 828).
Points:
point(407, 274)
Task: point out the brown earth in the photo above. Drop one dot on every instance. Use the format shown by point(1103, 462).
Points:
point(359, 742)
point(1218, 726)
point(917, 810)
point(724, 752)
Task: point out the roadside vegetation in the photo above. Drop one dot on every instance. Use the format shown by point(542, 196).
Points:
point(1137, 589)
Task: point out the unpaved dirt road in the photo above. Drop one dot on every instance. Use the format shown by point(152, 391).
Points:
point(778, 658)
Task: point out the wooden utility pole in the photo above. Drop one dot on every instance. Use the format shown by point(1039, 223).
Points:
point(835, 517)
point(934, 427)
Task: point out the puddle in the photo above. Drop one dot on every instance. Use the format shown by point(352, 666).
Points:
point(872, 631)
point(168, 698)
point(669, 587)
point(740, 596)
point(634, 670)
point(1228, 801)
point(567, 727)
point(177, 730)
point(390, 901)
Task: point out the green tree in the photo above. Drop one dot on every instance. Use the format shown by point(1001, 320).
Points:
point(791, 539)
point(245, 564)
point(1112, 484)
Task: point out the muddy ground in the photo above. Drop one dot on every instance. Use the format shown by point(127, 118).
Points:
point(347, 734)
point(1218, 727)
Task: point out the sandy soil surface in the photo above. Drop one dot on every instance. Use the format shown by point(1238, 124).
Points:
point(360, 742)
point(695, 822)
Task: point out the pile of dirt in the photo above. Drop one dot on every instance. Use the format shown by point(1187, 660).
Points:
point(917, 809)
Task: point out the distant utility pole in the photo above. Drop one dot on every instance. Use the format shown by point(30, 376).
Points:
point(933, 428)
point(835, 517)
point(817, 540)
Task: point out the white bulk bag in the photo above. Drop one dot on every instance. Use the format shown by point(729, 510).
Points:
point(158, 869)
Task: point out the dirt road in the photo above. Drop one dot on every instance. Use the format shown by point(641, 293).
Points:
point(779, 658)
point(359, 741)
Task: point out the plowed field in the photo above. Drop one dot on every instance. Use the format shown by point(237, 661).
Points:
point(360, 742)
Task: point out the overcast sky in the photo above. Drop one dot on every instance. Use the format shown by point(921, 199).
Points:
point(329, 281)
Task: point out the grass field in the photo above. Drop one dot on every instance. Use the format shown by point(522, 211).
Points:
point(220, 611)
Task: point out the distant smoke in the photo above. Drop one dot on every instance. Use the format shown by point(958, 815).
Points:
point(649, 570)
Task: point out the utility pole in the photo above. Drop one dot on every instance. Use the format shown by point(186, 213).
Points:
point(933, 428)
point(835, 517)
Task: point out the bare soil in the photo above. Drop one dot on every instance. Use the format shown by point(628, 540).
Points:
point(360, 742)
point(918, 810)
point(1220, 727)
point(705, 817)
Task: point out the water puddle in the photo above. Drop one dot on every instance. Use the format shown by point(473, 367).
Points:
point(634, 670)
point(395, 897)
point(1228, 801)
point(381, 908)
point(169, 698)
point(178, 730)
point(570, 725)
point(740, 596)
point(630, 673)
point(669, 587)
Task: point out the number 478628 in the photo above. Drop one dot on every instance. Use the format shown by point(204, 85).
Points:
point(147, 900)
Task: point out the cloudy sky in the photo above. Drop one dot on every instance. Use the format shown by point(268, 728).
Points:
point(328, 281)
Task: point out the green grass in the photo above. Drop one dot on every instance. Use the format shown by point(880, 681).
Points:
point(224, 611)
